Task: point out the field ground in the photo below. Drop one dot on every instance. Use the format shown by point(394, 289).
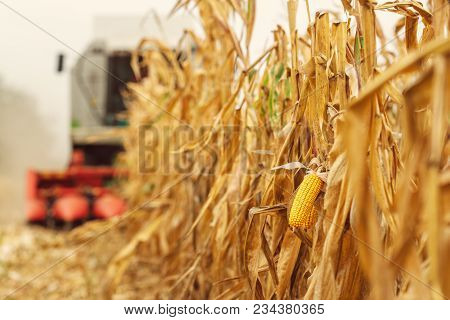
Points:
point(39, 263)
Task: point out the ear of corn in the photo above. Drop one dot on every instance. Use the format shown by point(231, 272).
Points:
point(303, 213)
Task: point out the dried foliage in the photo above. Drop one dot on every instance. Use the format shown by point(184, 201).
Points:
point(371, 121)
point(367, 115)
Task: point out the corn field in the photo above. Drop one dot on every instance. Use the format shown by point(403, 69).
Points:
point(364, 115)
point(371, 122)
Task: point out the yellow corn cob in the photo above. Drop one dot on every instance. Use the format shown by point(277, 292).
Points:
point(303, 213)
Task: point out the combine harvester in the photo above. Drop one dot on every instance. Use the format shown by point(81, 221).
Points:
point(84, 190)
